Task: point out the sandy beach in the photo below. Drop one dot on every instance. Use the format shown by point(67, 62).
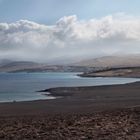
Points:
point(100, 112)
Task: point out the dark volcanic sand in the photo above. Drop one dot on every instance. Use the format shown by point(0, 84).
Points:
point(83, 113)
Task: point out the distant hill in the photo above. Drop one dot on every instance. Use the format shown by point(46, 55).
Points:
point(4, 62)
point(112, 61)
point(133, 72)
point(18, 65)
point(82, 66)
point(25, 66)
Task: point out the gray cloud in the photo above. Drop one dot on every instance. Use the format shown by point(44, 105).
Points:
point(70, 38)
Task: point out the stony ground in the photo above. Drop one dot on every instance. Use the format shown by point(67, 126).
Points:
point(111, 125)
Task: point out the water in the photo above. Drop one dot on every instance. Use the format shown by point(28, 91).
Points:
point(23, 86)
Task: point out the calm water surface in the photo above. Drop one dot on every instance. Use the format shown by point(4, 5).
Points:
point(23, 86)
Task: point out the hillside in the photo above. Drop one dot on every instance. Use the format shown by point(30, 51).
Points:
point(25, 66)
point(112, 61)
point(18, 65)
point(133, 72)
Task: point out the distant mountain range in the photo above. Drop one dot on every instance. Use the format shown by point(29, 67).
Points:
point(82, 66)
point(9, 66)
point(25, 66)
point(111, 61)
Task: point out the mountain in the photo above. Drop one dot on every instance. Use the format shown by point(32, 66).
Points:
point(8, 66)
point(4, 62)
point(112, 61)
point(25, 66)
point(82, 66)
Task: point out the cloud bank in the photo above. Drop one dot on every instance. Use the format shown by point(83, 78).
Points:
point(70, 38)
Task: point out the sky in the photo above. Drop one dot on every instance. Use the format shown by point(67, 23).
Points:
point(49, 11)
point(68, 30)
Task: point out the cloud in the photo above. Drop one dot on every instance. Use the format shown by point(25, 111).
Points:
point(70, 38)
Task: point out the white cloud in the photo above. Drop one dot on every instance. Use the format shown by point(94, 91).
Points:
point(70, 38)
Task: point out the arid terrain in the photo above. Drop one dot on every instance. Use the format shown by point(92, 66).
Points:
point(133, 72)
point(109, 125)
point(78, 113)
point(94, 113)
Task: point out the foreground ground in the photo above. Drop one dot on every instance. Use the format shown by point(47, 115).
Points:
point(111, 125)
point(84, 113)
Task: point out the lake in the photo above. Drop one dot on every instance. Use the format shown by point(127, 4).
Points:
point(23, 86)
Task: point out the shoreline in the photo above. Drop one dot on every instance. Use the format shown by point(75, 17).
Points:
point(51, 92)
point(78, 100)
point(130, 72)
point(67, 91)
point(95, 112)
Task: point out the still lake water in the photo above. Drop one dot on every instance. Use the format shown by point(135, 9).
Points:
point(23, 86)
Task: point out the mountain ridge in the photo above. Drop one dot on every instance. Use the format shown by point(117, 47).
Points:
point(111, 61)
